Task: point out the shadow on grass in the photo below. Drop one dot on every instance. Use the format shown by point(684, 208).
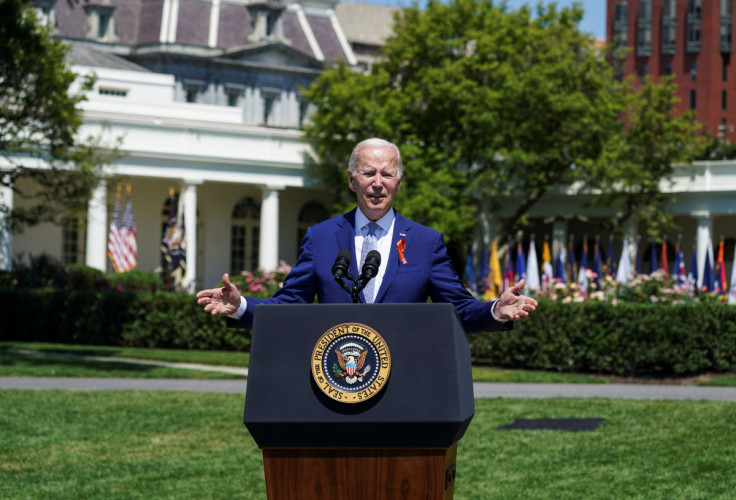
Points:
point(73, 361)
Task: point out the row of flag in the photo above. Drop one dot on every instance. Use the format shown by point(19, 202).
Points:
point(491, 280)
point(122, 247)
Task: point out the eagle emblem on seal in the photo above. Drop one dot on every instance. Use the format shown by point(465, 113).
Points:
point(350, 362)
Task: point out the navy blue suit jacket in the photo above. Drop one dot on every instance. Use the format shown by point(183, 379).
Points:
point(427, 274)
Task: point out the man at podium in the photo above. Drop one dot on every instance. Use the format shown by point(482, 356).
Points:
point(399, 260)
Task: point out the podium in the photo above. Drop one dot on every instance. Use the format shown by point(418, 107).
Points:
point(400, 443)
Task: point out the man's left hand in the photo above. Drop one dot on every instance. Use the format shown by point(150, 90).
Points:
point(511, 305)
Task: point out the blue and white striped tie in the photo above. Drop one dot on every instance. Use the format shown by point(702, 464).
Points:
point(369, 243)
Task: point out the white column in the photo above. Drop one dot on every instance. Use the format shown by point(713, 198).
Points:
point(190, 221)
point(214, 23)
point(705, 241)
point(268, 258)
point(165, 19)
point(96, 251)
point(173, 21)
point(630, 235)
point(6, 233)
point(559, 242)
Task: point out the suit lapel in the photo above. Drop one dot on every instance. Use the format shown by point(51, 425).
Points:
point(345, 236)
point(402, 230)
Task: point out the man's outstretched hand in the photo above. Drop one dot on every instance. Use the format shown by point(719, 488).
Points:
point(222, 301)
point(512, 305)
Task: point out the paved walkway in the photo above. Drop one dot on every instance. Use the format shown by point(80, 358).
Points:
point(482, 390)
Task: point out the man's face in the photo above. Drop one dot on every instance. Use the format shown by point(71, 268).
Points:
point(375, 181)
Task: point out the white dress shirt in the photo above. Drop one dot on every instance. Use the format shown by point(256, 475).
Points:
point(383, 241)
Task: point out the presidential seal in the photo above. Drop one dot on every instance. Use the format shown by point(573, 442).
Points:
point(351, 363)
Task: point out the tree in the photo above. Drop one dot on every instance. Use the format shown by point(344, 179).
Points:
point(486, 104)
point(650, 143)
point(39, 122)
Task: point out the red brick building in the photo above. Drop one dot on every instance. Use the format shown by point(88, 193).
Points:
point(690, 39)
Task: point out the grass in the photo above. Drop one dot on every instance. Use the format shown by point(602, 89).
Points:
point(130, 445)
point(218, 358)
point(13, 364)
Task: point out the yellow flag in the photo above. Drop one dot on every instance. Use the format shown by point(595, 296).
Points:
point(546, 254)
point(494, 278)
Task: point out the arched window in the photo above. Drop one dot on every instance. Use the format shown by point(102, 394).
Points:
point(311, 213)
point(245, 235)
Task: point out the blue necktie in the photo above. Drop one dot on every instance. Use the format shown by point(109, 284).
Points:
point(369, 243)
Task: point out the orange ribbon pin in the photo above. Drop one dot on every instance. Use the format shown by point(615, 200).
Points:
point(401, 246)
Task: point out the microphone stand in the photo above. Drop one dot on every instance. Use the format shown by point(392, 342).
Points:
point(359, 284)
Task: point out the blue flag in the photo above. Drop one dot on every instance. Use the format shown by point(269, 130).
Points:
point(653, 265)
point(708, 278)
point(597, 262)
point(520, 263)
point(610, 259)
point(470, 271)
point(559, 273)
point(692, 276)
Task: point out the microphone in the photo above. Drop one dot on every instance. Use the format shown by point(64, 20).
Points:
point(342, 263)
point(371, 265)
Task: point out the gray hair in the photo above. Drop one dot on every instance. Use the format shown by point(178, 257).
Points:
point(376, 143)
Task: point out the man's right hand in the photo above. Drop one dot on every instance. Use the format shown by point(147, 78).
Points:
point(222, 301)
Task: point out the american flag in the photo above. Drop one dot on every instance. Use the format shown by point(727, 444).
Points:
point(121, 242)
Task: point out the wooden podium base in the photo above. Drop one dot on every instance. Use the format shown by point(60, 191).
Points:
point(360, 473)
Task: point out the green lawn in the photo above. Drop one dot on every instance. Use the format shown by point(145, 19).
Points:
point(13, 364)
point(130, 444)
point(218, 358)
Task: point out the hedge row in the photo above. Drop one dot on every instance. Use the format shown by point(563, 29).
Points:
point(592, 337)
point(625, 339)
point(141, 319)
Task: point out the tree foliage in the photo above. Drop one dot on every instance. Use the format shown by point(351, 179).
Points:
point(651, 143)
point(491, 107)
point(39, 122)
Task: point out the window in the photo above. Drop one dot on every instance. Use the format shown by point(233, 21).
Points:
point(643, 70)
point(725, 63)
point(726, 26)
point(620, 24)
point(72, 241)
point(311, 213)
point(245, 234)
point(693, 70)
point(726, 8)
point(192, 89)
point(669, 27)
point(233, 93)
point(724, 99)
point(693, 28)
point(693, 99)
point(270, 98)
point(644, 29)
point(303, 110)
point(668, 69)
point(100, 22)
point(45, 13)
point(113, 92)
